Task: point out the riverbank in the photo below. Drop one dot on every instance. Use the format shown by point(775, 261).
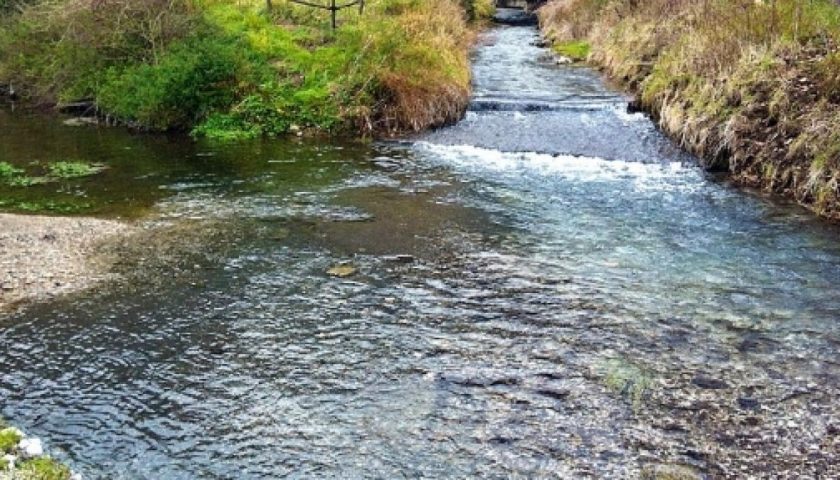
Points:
point(22, 458)
point(246, 70)
point(42, 256)
point(751, 88)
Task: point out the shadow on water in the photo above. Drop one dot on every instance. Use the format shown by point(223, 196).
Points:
point(595, 307)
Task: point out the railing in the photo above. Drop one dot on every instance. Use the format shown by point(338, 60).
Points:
point(332, 7)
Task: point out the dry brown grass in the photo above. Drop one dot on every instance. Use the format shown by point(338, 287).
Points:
point(414, 97)
point(751, 87)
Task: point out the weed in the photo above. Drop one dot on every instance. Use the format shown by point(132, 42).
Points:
point(237, 71)
point(42, 468)
point(575, 49)
point(625, 379)
point(7, 170)
point(73, 169)
point(9, 438)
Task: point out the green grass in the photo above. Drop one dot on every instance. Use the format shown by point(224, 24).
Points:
point(9, 438)
point(232, 71)
point(576, 49)
point(43, 468)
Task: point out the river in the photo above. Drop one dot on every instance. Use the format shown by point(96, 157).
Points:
point(547, 289)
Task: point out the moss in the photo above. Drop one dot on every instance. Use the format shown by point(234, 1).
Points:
point(576, 50)
point(9, 438)
point(46, 206)
point(73, 169)
point(43, 468)
point(624, 379)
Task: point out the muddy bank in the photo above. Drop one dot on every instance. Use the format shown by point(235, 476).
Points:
point(43, 256)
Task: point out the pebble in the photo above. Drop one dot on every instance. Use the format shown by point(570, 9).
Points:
point(709, 383)
point(401, 258)
point(341, 271)
point(42, 256)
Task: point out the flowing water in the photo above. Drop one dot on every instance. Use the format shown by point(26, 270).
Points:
point(547, 289)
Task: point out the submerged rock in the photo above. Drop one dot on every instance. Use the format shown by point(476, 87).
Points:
point(400, 258)
point(81, 121)
point(747, 403)
point(342, 271)
point(709, 383)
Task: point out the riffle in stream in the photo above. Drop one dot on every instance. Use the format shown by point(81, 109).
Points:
point(573, 298)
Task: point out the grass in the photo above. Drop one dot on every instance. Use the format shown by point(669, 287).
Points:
point(576, 49)
point(9, 438)
point(751, 87)
point(230, 70)
point(42, 468)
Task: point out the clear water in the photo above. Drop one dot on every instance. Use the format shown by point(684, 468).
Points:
point(586, 308)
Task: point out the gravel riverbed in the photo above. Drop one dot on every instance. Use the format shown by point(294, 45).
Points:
point(43, 256)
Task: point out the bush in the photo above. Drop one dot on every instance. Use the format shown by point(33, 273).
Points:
point(238, 71)
point(191, 79)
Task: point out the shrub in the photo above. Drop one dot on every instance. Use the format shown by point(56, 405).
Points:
point(236, 70)
point(192, 78)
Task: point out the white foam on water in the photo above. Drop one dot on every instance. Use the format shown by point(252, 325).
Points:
point(644, 176)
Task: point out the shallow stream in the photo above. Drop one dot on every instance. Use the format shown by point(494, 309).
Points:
point(547, 289)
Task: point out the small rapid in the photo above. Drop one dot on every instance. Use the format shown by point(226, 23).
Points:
point(548, 289)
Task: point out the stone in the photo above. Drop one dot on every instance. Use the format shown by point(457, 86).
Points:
point(30, 448)
point(80, 121)
point(709, 383)
point(669, 472)
point(401, 258)
point(747, 403)
point(342, 271)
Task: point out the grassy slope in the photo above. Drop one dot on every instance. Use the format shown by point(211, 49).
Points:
point(233, 69)
point(752, 87)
